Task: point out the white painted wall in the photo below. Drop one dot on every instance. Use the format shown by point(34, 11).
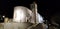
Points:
point(20, 15)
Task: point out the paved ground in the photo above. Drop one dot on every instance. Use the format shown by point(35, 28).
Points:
point(19, 26)
point(14, 25)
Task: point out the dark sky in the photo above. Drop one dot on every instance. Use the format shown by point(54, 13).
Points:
point(45, 7)
point(8, 5)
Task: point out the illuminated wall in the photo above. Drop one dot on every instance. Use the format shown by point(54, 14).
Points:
point(22, 14)
point(19, 14)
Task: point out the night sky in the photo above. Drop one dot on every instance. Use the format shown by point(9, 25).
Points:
point(7, 6)
point(46, 8)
